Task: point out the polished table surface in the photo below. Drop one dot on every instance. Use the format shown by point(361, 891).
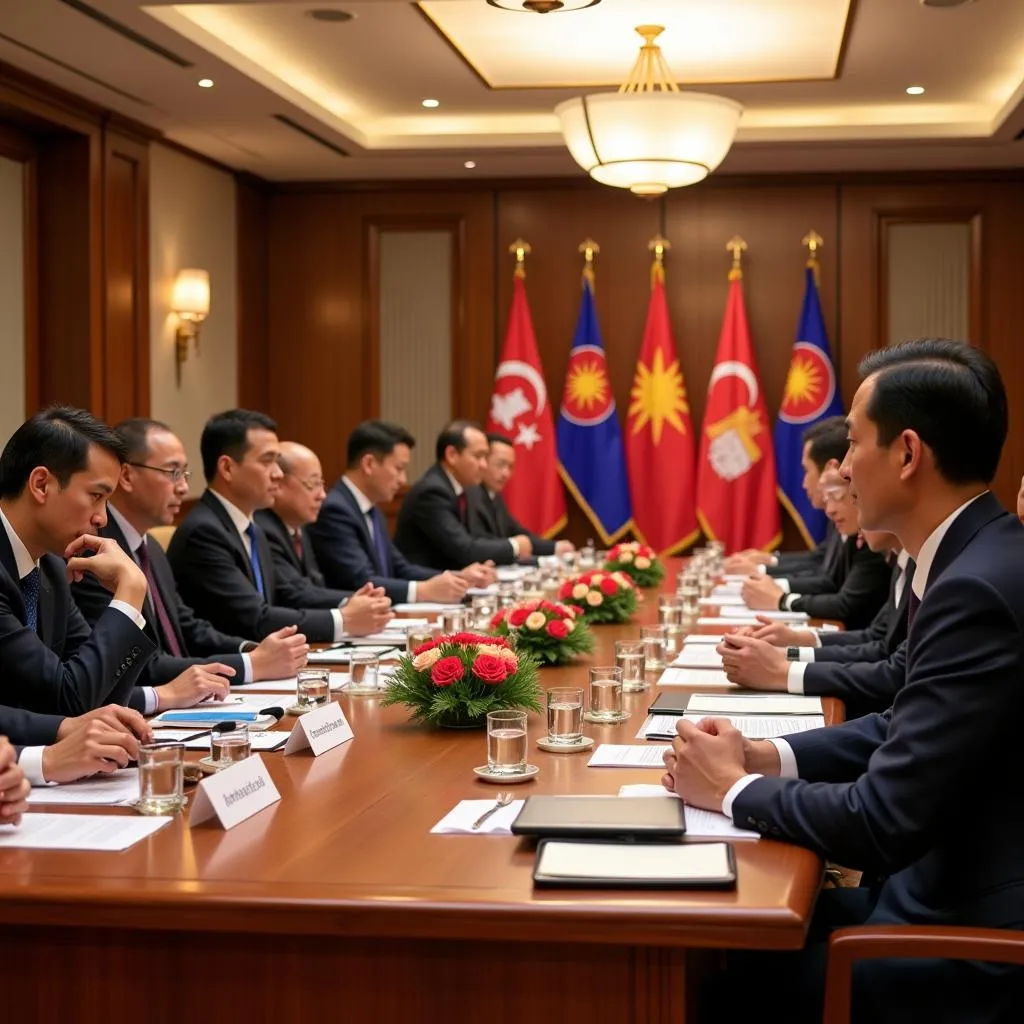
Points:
point(347, 852)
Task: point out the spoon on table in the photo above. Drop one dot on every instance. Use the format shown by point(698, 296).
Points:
point(504, 799)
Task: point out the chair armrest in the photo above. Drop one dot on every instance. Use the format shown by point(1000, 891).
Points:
point(908, 942)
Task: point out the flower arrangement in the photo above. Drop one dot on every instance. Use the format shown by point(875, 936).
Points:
point(456, 679)
point(555, 633)
point(601, 596)
point(637, 561)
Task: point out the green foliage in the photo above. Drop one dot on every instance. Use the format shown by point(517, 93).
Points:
point(650, 577)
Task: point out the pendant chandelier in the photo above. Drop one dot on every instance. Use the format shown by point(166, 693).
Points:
point(649, 136)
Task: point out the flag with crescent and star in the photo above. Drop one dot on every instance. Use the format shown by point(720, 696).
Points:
point(736, 500)
point(660, 448)
point(810, 395)
point(590, 455)
point(520, 410)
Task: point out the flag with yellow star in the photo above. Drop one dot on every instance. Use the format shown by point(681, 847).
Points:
point(660, 448)
point(811, 395)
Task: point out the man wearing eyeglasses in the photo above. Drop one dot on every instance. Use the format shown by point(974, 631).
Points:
point(194, 661)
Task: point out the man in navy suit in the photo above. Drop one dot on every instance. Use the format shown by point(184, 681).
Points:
point(350, 536)
point(924, 797)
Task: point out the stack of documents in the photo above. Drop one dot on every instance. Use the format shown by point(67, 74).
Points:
point(753, 726)
point(753, 704)
point(673, 676)
point(699, 824)
point(697, 656)
point(111, 833)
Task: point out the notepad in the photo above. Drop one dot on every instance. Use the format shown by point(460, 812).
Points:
point(616, 755)
point(698, 656)
point(116, 788)
point(754, 727)
point(695, 677)
point(258, 741)
point(775, 616)
point(106, 832)
point(337, 681)
point(724, 601)
point(343, 655)
point(753, 704)
point(702, 638)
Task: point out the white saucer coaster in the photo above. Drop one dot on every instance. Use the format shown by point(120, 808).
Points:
point(179, 805)
point(483, 772)
point(362, 691)
point(300, 709)
point(622, 716)
point(565, 748)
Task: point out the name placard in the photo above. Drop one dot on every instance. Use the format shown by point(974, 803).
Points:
point(234, 794)
point(320, 730)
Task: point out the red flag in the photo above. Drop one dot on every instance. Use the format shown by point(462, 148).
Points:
point(520, 410)
point(736, 501)
point(660, 447)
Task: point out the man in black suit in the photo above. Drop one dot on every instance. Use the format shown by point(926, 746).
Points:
point(882, 793)
point(193, 660)
point(433, 524)
point(56, 473)
point(220, 556)
point(350, 536)
point(861, 578)
point(489, 516)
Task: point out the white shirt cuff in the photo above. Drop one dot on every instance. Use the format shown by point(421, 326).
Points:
point(795, 677)
point(410, 594)
point(515, 546)
point(339, 624)
point(787, 759)
point(817, 639)
point(789, 600)
point(806, 653)
point(31, 763)
point(126, 609)
point(246, 668)
point(734, 791)
point(151, 702)
point(783, 584)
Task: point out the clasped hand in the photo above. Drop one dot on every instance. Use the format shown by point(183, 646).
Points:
point(706, 760)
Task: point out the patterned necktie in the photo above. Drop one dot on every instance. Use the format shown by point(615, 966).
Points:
point(29, 586)
point(254, 558)
point(378, 530)
point(170, 638)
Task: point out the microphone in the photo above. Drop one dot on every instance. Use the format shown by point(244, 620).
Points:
point(276, 713)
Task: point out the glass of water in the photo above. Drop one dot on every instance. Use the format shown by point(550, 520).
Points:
point(653, 639)
point(417, 636)
point(229, 745)
point(453, 621)
point(312, 688)
point(689, 601)
point(675, 636)
point(506, 742)
point(565, 715)
point(482, 611)
point(606, 695)
point(629, 657)
point(364, 673)
point(669, 611)
point(161, 778)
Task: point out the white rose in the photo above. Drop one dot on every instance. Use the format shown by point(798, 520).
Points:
point(595, 598)
point(536, 620)
point(580, 590)
point(596, 578)
point(626, 556)
point(426, 659)
point(643, 563)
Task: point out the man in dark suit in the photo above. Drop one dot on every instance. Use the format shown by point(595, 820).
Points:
point(433, 524)
point(881, 793)
point(193, 660)
point(350, 536)
point(56, 473)
point(487, 513)
point(861, 578)
point(220, 556)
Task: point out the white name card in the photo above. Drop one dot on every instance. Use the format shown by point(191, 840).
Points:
point(319, 730)
point(234, 794)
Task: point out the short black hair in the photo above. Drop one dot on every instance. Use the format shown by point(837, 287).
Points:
point(376, 437)
point(135, 432)
point(950, 394)
point(500, 439)
point(227, 433)
point(454, 435)
point(58, 438)
point(829, 441)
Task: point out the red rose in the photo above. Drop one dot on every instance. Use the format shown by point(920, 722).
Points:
point(518, 616)
point(608, 586)
point(447, 671)
point(565, 591)
point(489, 668)
point(558, 629)
point(428, 646)
point(498, 619)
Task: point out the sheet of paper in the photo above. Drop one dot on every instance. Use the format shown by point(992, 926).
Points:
point(718, 620)
point(387, 638)
point(762, 727)
point(338, 680)
point(426, 608)
point(459, 820)
point(724, 601)
point(695, 677)
point(702, 638)
point(727, 588)
point(735, 577)
point(512, 572)
point(662, 727)
point(106, 832)
point(116, 788)
point(698, 656)
point(700, 824)
point(259, 741)
point(753, 704)
point(618, 755)
point(343, 655)
point(180, 735)
point(774, 616)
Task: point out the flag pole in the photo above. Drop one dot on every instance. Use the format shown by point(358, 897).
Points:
point(737, 246)
point(589, 248)
point(813, 242)
point(520, 249)
point(659, 245)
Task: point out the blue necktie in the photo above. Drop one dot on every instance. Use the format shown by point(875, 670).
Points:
point(30, 598)
point(254, 558)
point(380, 538)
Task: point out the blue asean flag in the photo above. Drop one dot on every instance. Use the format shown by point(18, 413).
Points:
point(591, 458)
point(811, 395)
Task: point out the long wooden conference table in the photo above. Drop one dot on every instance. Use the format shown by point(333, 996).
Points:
point(338, 904)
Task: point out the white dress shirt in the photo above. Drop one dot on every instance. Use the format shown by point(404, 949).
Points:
point(458, 488)
point(366, 507)
point(924, 560)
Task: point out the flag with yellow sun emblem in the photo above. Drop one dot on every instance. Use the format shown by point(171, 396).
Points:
point(590, 456)
point(660, 448)
point(810, 395)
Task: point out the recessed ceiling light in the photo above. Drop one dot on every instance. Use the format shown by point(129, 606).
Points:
point(205, 83)
point(915, 90)
point(330, 14)
point(469, 165)
point(430, 104)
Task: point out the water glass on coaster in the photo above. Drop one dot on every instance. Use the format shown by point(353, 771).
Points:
point(481, 611)
point(565, 721)
point(506, 742)
point(669, 611)
point(629, 657)
point(653, 640)
point(417, 636)
point(689, 601)
point(229, 744)
point(161, 778)
point(453, 621)
point(364, 674)
point(606, 696)
point(675, 637)
point(508, 593)
point(312, 690)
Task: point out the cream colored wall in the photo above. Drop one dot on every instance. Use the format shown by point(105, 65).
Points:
point(192, 224)
point(12, 299)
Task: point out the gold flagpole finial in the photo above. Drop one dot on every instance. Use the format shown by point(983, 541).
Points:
point(737, 246)
point(813, 242)
point(520, 250)
point(590, 249)
point(659, 245)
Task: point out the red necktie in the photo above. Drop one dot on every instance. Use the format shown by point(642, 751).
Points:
point(462, 507)
point(297, 544)
point(163, 619)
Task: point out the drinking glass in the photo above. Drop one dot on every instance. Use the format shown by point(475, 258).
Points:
point(482, 611)
point(653, 639)
point(508, 591)
point(669, 612)
point(453, 621)
point(364, 673)
point(565, 715)
point(629, 659)
point(689, 601)
point(707, 584)
point(605, 694)
point(230, 745)
point(417, 636)
point(675, 635)
point(587, 556)
point(506, 742)
point(312, 688)
point(161, 778)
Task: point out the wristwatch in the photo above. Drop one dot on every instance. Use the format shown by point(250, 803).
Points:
point(792, 654)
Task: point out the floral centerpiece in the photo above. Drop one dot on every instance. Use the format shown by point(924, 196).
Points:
point(601, 596)
point(554, 633)
point(456, 679)
point(637, 561)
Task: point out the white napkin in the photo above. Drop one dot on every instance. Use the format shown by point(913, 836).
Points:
point(459, 820)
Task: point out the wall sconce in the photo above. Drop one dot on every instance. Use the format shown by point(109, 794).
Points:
point(190, 302)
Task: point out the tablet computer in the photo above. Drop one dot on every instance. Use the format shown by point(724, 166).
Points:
point(596, 816)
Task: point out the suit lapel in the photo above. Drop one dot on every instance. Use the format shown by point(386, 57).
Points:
point(979, 513)
point(899, 612)
point(164, 578)
point(234, 538)
point(501, 516)
point(45, 611)
point(371, 549)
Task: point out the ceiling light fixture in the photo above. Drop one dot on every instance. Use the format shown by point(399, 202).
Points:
point(543, 6)
point(205, 83)
point(469, 165)
point(649, 136)
point(915, 90)
point(431, 104)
